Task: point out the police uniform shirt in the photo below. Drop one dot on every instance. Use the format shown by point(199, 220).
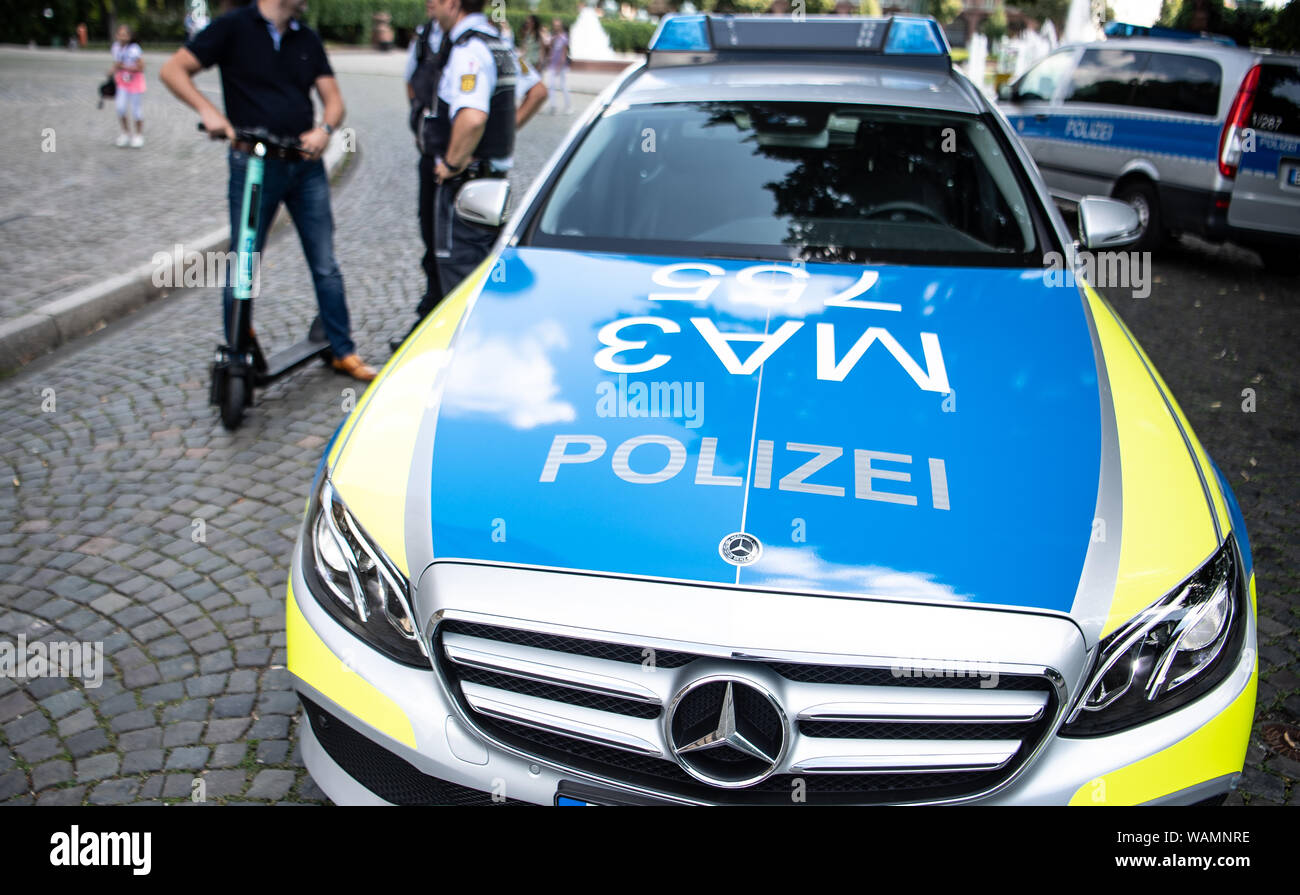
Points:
point(529, 77)
point(470, 76)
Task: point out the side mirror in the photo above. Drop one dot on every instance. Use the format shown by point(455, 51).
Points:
point(1107, 223)
point(483, 202)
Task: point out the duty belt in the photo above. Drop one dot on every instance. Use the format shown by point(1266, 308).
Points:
point(477, 169)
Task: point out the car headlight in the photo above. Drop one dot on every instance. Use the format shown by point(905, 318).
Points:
point(1173, 652)
point(356, 582)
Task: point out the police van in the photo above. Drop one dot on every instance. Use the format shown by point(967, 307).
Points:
point(1198, 137)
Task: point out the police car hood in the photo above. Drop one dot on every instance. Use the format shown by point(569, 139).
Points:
point(906, 433)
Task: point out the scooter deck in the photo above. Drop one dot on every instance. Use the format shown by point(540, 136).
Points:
point(291, 358)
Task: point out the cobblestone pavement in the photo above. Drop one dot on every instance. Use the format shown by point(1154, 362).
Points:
point(99, 498)
point(87, 209)
point(1214, 325)
point(79, 208)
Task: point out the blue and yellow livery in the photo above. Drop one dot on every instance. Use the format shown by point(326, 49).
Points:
point(768, 459)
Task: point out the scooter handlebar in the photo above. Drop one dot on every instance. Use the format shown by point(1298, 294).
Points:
point(258, 135)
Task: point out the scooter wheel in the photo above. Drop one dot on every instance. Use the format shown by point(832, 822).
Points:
point(234, 401)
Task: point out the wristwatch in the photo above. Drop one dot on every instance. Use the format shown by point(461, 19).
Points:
point(326, 127)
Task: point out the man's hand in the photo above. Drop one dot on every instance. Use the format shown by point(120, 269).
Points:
point(216, 124)
point(445, 172)
point(313, 142)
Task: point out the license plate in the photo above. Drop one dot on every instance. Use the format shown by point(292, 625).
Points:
point(583, 795)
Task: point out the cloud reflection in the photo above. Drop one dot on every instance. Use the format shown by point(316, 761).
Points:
point(511, 378)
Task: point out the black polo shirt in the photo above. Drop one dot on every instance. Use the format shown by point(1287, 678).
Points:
point(263, 86)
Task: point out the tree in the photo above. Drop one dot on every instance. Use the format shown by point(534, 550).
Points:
point(945, 10)
point(1169, 11)
point(995, 26)
point(869, 8)
point(1056, 10)
point(1285, 31)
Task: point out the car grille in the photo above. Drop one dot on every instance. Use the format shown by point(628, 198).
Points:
point(859, 735)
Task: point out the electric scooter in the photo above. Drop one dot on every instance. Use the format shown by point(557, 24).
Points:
point(240, 367)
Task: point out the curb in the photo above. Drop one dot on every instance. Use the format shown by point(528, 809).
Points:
point(80, 313)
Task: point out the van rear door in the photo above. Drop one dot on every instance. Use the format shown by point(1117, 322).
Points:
point(1266, 195)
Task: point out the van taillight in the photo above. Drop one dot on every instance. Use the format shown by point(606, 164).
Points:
point(1238, 119)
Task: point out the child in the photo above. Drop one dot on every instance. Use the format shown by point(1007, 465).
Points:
point(558, 66)
point(128, 73)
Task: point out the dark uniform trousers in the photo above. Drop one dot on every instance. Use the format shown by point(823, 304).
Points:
point(433, 290)
point(460, 246)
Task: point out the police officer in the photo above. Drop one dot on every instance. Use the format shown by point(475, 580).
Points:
point(423, 68)
point(429, 54)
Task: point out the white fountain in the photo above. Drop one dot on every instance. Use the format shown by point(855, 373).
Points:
point(1049, 34)
point(1080, 24)
point(975, 63)
point(587, 38)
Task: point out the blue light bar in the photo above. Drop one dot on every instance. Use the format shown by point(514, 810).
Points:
point(705, 38)
point(689, 33)
point(915, 37)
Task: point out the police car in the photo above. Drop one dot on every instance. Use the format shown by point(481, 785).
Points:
point(1199, 137)
point(763, 462)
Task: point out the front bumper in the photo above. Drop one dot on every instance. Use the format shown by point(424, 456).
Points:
point(404, 714)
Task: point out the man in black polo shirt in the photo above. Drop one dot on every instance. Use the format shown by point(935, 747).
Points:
point(269, 63)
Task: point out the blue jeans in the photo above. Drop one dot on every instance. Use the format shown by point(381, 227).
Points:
point(305, 190)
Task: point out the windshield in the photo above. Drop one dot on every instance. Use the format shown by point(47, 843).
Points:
point(816, 181)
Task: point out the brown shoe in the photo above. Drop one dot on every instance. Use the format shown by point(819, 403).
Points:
point(355, 367)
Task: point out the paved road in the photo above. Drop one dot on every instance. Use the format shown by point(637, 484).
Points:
point(74, 207)
point(112, 464)
point(1215, 325)
point(99, 500)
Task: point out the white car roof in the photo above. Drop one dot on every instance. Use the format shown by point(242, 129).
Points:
point(801, 81)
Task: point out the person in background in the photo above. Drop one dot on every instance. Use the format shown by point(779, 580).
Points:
point(531, 49)
point(128, 75)
point(557, 67)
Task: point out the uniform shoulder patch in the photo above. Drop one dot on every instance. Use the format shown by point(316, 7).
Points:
point(467, 83)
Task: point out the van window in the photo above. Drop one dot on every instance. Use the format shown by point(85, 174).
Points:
point(1039, 83)
point(1106, 76)
point(1177, 83)
point(1277, 100)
